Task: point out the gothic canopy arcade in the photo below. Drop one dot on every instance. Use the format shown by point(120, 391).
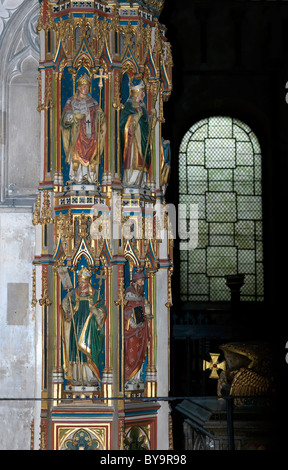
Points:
point(120, 186)
point(105, 72)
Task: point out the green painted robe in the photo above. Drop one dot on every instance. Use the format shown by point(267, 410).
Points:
point(135, 115)
point(89, 317)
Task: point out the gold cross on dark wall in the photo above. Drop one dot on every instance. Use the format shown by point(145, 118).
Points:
point(214, 366)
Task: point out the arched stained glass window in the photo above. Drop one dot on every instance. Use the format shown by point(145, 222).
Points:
point(220, 171)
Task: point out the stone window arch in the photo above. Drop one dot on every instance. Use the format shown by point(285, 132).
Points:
point(220, 170)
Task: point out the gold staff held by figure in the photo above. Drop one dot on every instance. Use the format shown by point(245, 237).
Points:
point(101, 77)
point(83, 126)
point(136, 127)
point(82, 343)
point(152, 124)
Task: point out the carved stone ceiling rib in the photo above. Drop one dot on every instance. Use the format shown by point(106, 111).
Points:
point(7, 8)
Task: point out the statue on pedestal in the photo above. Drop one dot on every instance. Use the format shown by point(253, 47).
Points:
point(84, 315)
point(136, 128)
point(83, 126)
point(136, 337)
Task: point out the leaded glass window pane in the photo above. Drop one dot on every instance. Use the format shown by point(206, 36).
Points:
point(220, 170)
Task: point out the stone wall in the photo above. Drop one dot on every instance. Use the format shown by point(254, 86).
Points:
point(17, 330)
point(19, 176)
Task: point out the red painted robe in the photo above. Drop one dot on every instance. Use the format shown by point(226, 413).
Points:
point(87, 146)
point(81, 146)
point(136, 334)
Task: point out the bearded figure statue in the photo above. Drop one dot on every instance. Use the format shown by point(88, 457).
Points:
point(137, 312)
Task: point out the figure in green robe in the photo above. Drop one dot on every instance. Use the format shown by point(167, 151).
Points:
point(136, 138)
point(83, 319)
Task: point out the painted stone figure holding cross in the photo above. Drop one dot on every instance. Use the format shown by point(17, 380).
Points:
point(83, 126)
point(83, 318)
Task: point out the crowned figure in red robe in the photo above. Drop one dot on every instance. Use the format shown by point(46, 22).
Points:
point(83, 125)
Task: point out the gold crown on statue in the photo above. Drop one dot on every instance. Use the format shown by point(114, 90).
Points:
point(84, 80)
point(84, 273)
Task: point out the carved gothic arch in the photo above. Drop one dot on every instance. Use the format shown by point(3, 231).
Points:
point(19, 54)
